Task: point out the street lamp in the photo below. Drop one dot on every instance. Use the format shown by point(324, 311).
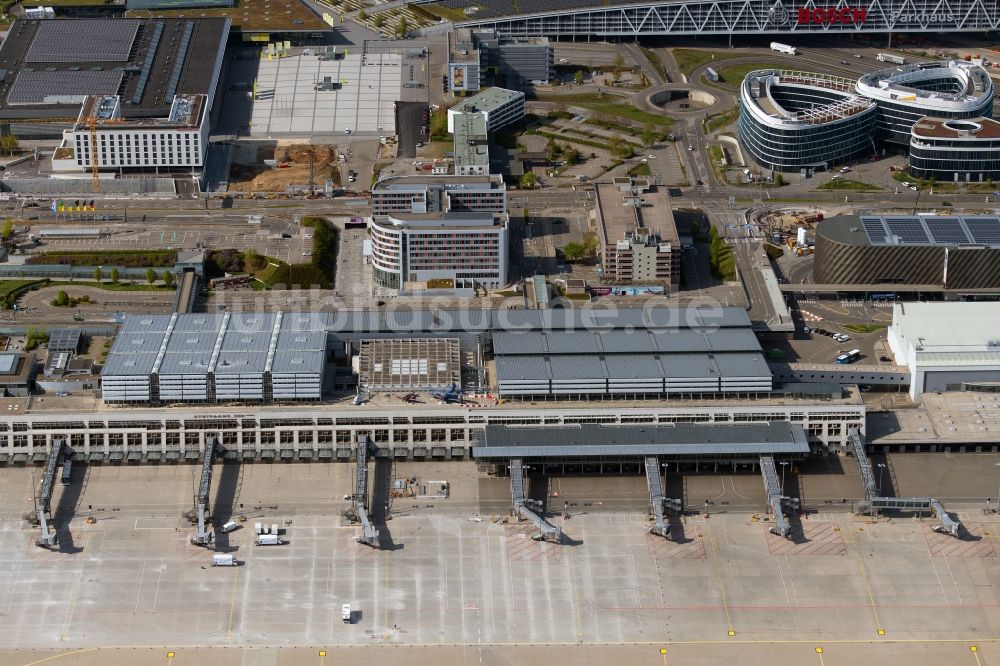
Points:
point(784, 465)
point(881, 466)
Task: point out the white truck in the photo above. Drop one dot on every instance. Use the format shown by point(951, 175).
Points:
point(784, 48)
point(345, 613)
point(268, 540)
point(224, 560)
point(891, 57)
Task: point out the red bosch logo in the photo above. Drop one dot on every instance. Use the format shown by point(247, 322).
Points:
point(832, 15)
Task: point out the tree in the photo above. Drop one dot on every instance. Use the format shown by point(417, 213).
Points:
point(253, 259)
point(98, 275)
point(779, 180)
point(114, 275)
point(8, 229)
point(574, 252)
point(378, 21)
point(62, 298)
point(578, 77)
point(571, 155)
point(618, 65)
point(553, 150)
point(168, 278)
point(529, 180)
point(150, 275)
point(648, 134)
point(362, 16)
point(8, 143)
point(402, 27)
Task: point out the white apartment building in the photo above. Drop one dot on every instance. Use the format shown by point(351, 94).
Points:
point(176, 142)
point(439, 194)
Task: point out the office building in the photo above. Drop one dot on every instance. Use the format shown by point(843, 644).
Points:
point(468, 249)
point(906, 93)
point(966, 151)
point(790, 121)
point(511, 61)
point(500, 106)
point(638, 236)
point(176, 141)
point(439, 194)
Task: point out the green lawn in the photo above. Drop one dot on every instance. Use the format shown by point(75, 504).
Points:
point(864, 328)
point(689, 60)
point(11, 289)
point(655, 61)
point(721, 120)
point(849, 185)
point(611, 105)
point(641, 169)
point(733, 75)
point(109, 258)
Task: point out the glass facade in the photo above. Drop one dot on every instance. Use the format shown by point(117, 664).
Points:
point(970, 154)
point(803, 137)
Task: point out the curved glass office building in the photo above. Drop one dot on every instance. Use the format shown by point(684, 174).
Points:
point(905, 94)
point(798, 120)
point(955, 150)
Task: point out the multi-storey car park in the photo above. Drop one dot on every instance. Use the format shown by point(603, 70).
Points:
point(590, 18)
point(795, 120)
point(906, 93)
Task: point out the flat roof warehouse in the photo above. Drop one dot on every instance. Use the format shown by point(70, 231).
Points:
point(48, 67)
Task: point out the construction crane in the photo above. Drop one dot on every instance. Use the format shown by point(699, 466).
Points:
point(92, 123)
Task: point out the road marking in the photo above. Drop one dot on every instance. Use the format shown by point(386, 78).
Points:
point(232, 605)
point(871, 598)
point(64, 654)
point(722, 586)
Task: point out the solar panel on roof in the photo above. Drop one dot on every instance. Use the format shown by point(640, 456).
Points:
point(64, 41)
point(984, 229)
point(182, 49)
point(147, 64)
point(947, 230)
point(61, 87)
point(909, 230)
point(875, 229)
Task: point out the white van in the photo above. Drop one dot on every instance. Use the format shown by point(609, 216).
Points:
point(224, 560)
point(345, 613)
point(230, 526)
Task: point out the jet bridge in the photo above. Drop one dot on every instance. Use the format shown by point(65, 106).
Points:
point(775, 499)
point(369, 535)
point(43, 500)
point(547, 531)
point(946, 524)
point(656, 498)
point(203, 537)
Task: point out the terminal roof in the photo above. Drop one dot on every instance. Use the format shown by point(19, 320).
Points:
point(592, 440)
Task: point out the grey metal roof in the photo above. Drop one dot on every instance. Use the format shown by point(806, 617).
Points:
point(136, 346)
point(635, 341)
point(742, 365)
point(288, 362)
point(562, 367)
point(583, 440)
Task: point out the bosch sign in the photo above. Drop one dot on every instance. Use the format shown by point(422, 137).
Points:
point(827, 15)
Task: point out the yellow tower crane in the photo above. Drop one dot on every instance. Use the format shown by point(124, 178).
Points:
point(92, 122)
